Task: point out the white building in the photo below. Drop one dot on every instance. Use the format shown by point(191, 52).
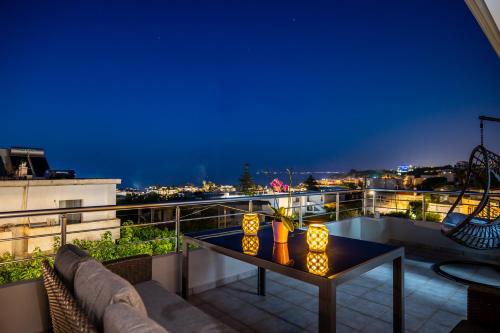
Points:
point(310, 204)
point(30, 194)
point(28, 183)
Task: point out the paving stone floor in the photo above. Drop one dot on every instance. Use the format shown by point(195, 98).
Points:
point(433, 304)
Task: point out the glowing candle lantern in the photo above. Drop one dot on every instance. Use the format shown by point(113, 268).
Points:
point(317, 263)
point(317, 237)
point(250, 245)
point(250, 224)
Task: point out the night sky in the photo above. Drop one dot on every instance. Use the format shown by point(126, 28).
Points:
point(176, 91)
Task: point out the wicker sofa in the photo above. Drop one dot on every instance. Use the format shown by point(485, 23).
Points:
point(117, 296)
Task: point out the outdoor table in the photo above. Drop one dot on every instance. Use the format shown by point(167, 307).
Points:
point(343, 260)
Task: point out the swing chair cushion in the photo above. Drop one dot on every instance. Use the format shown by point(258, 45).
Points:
point(453, 219)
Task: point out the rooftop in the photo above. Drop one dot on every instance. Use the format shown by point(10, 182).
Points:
point(225, 288)
point(52, 182)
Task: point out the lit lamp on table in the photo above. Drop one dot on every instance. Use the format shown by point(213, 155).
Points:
point(250, 224)
point(317, 237)
point(317, 240)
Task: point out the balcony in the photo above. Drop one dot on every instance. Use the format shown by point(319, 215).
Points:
point(225, 288)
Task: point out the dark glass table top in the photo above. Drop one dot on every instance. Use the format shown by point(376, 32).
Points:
point(341, 254)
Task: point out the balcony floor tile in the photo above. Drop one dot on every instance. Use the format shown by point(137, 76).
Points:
point(433, 304)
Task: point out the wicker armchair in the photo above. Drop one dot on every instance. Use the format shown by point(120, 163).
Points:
point(134, 269)
point(66, 315)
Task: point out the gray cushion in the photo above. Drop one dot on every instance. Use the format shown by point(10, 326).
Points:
point(122, 318)
point(96, 287)
point(68, 258)
point(174, 313)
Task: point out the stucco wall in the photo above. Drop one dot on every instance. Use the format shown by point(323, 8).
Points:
point(427, 234)
point(24, 307)
point(5, 246)
point(13, 198)
point(46, 194)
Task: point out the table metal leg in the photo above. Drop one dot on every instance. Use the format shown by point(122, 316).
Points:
point(261, 281)
point(185, 270)
point(398, 300)
point(327, 308)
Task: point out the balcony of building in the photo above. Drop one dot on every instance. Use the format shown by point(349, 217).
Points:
point(226, 289)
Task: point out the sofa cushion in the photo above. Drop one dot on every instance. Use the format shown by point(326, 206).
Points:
point(67, 259)
point(96, 288)
point(174, 313)
point(122, 318)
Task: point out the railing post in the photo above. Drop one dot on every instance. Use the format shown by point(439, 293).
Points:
point(64, 222)
point(374, 202)
point(225, 217)
point(337, 207)
point(250, 206)
point(301, 218)
point(423, 207)
point(365, 198)
point(177, 228)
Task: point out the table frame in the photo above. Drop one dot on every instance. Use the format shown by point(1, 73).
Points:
point(327, 286)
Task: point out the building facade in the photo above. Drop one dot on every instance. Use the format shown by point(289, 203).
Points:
point(31, 194)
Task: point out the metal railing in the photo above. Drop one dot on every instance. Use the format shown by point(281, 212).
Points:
point(197, 207)
point(427, 204)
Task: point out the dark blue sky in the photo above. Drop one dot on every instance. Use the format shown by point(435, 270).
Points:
point(176, 91)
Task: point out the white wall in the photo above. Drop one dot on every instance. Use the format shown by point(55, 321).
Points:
point(494, 8)
point(18, 195)
point(5, 246)
point(427, 234)
point(46, 196)
point(74, 231)
point(318, 200)
point(207, 270)
point(24, 307)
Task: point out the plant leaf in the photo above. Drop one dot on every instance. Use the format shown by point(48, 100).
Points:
point(288, 223)
point(282, 211)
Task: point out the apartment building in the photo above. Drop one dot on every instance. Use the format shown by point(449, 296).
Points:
point(27, 183)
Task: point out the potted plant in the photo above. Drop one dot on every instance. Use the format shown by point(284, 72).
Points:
point(283, 216)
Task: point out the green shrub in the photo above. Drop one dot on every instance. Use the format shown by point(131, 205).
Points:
point(433, 217)
point(11, 271)
point(133, 241)
point(397, 214)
